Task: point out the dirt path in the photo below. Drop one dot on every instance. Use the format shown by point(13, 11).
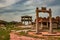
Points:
point(14, 36)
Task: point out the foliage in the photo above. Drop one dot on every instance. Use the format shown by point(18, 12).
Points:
point(4, 34)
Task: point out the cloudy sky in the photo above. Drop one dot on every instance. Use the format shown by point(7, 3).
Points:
point(12, 10)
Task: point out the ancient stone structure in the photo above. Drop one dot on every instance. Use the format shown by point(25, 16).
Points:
point(44, 10)
point(45, 22)
point(26, 19)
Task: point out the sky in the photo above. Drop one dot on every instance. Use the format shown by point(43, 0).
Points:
point(12, 10)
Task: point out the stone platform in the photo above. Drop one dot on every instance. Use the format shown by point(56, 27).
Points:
point(49, 34)
point(45, 34)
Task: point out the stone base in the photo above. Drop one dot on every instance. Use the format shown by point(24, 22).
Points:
point(45, 34)
point(52, 34)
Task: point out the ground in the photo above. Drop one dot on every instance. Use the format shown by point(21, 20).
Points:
point(14, 36)
point(6, 34)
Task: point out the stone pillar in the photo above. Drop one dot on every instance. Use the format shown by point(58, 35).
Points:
point(37, 29)
point(50, 31)
point(24, 21)
point(50, 25)
point(31, 20)
point(41, 25)
point(21, 20)
point(47, 24)
point(28, 21)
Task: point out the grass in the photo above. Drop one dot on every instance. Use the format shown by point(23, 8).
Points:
point(19, 28)
point(4, 34)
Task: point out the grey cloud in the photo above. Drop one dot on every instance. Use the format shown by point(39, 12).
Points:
point(13, 10)
point(2, 1)
point(54, 3)
point(19, 9)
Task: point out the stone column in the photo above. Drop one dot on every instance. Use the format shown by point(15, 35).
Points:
point(50, 31)
point(24, 20)
point(37, 29)
point(47, 24)
point(31, 20)
point(41, 25)
point(21, 20)
point(28, 21)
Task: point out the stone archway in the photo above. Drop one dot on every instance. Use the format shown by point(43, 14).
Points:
point(44, 10)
